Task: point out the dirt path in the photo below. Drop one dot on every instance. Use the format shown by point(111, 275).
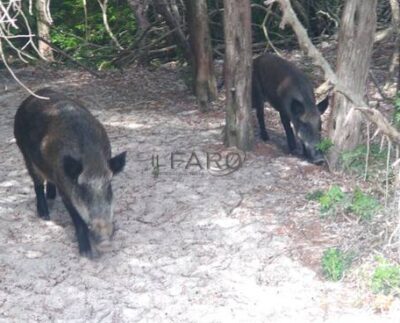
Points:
point(190, 246)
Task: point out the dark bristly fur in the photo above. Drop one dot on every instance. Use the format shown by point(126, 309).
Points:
point(67, 148)
point(290, 92)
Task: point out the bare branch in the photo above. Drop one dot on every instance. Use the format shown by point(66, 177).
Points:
point(12, 17)
point(103, 5)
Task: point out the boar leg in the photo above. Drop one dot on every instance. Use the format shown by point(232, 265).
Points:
point(261, 122)
point(38, 182)
point(289, 131)
point(81, 229)
point(41, 203)
point(51, 191)
point(257, 99)
point(259, 106)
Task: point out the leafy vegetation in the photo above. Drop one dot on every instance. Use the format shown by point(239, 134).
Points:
point(331, 199)
point(396, 114)
point(386, 278)
point(334, 263)
point(325, 145)
point(88, 40)
point(334, 202)
point(354, 161)
point(363, 205)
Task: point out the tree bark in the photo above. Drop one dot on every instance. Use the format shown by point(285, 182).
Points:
point(43, 26)
point(238, 68)
point(356, 38)
point(174, 24)
point(395, 60)
point(139, 8)
point(204, 85)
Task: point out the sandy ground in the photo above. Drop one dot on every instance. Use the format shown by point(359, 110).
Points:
point(190, 246)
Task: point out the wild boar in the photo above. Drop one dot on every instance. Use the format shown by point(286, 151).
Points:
point(290, 92)
point(67, 148)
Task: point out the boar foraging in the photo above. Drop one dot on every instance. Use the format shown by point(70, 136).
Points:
point(67, 148)
point(290, 92)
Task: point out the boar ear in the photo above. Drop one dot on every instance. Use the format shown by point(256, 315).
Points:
point(323, 105)
point(117, 163)
point(72, 167)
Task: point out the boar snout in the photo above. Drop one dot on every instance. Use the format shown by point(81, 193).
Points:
point(314, 155)
point(101, 231)
point(318, 160)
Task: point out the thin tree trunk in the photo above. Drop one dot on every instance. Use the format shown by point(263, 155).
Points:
point(139, 8)
point(163, 9)
point(43, 26)
point(205, 86)
point(356, 37)
point(395, 61)
point(238, 65)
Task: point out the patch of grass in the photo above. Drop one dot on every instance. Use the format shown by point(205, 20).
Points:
point(333, 196)
point(334, 202)
point(363, 205)
point(386, 278)
point(334, 263)
point(325, 145)
point(354, 161)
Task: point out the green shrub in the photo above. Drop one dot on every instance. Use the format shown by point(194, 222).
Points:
point(334, 263)
point(363, 205)
point(325, 145)
point(331, 199)
point(354, 161)
point(386, 278)
point(90, 42)
point(334, 201)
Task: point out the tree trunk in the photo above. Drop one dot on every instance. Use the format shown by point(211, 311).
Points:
point(204, 85)
point(356, 37)
point(395, 60)
point(162, 8)
point(43, 26)
point(238, 65)
point(139, 8)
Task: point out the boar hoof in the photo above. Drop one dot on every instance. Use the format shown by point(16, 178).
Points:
point(45, 217)
point(86, 253)
point(89, 253)
point(43, 212)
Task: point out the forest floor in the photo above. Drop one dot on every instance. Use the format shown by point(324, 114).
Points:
point(192, 245)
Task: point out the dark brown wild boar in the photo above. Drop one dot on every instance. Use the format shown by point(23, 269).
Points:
point(290, 92)
point(67, 148)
